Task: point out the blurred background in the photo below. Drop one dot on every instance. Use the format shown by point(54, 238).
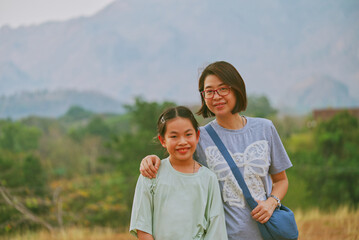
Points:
point(83, 82)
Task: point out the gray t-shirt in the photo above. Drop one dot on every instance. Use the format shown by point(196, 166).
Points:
point(258, 152)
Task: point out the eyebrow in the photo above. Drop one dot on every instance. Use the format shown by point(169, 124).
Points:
point(220, 85)
point(188, 130)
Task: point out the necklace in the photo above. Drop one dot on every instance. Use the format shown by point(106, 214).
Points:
point(194, 165)
point(243, 120)
point(233, 124)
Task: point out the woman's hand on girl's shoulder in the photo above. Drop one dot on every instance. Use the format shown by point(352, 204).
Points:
point(149, 166)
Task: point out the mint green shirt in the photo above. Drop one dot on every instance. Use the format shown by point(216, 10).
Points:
point(179, 206)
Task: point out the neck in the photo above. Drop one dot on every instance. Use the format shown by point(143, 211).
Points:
point(186, 166)
point(233, 122)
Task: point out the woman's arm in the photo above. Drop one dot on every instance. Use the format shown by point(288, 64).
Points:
point(144, 236)
point(149, 166)
point(280, 185)
point(265, 209)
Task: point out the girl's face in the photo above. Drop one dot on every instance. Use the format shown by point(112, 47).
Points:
point(180, 139)
point(221, 106)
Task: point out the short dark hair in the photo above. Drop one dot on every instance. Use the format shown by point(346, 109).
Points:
point(230, 76)
point(171, 113)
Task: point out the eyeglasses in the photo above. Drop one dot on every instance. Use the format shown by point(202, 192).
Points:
point(222, 91)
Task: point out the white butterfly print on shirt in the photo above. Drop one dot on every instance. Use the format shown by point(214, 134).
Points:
point(255, 164)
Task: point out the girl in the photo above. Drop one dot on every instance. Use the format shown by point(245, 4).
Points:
point(184, 201)
point(253, 143)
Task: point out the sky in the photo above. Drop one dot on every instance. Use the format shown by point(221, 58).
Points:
point(15, 13)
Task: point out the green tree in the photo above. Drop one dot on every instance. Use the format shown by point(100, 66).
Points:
point(16, 142)
point(16, 137)
point(10, 163)
point(331, 170)
point(98, 127)
point(128, 149)
point(140, 140)
point(338, 137)
point(76, 113)
point(34, 176)
point(259, 106)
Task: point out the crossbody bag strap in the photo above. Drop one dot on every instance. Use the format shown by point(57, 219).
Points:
point(235, 170)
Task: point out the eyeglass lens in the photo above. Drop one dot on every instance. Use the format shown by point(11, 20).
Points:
point(221, 91)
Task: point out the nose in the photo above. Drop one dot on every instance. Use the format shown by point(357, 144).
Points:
point(216, 94)
point(182, 140)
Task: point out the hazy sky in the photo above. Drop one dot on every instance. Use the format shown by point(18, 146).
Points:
point(26, 12)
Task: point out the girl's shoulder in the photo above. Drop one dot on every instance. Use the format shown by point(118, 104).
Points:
point(161, 171)
point(161, 174)
point(163, 166)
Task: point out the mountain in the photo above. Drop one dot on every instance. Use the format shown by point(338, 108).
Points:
point(317, 92)
point(55, 103)
point(157, 48)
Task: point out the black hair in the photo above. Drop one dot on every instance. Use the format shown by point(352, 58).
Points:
point(171, 113)
point(228, 75)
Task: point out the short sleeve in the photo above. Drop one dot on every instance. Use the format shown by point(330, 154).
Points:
point(142, 207)
point(279, 157)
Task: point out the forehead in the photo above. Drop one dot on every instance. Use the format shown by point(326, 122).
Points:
point(212, 81)
point(179, 124)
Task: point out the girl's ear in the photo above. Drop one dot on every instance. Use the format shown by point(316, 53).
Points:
point(198, 133)
point(162, 141)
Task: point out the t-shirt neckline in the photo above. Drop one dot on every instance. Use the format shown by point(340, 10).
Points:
point(172, 169)
point(243, 129)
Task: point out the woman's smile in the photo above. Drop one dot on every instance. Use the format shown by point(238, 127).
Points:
point(219, 105)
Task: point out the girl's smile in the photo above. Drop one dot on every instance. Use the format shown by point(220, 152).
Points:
point(183, 150)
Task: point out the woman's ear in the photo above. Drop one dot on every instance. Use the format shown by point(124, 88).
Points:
point(162, 141)
point(198, 133)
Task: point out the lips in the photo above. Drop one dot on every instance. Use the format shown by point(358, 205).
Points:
point(183, 150)
point(219, 105)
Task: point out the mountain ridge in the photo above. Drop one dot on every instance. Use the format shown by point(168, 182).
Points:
point(156, 49)
point(55, 103)
point(317, 92)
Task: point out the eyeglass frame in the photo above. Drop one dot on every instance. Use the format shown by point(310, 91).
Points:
point(216, 91)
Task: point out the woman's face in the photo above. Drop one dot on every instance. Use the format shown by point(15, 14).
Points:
point(221, 106)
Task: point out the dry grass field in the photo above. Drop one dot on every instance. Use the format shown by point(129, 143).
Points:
point(313, 225)
point(340, 225)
